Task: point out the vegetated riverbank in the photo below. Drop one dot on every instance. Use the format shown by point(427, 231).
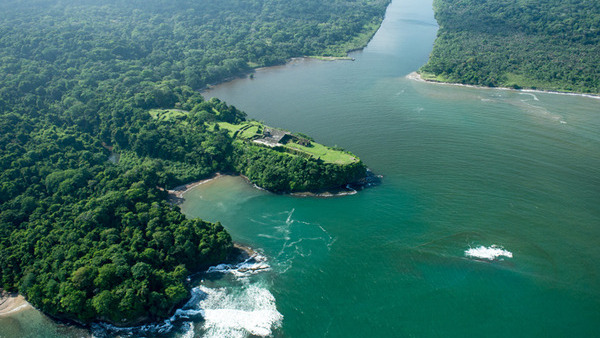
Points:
point(188, 245)
point(252, 71)
point(106, 221)
point(336, 53)
point(431, 79)
point(515, 45)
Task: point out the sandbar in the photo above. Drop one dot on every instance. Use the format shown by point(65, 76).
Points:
point(417, 77)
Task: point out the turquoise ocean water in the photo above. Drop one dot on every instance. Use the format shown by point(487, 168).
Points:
point(508, 172)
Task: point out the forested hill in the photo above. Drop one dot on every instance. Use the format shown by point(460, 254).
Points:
point(543, 44)
point(85, 232)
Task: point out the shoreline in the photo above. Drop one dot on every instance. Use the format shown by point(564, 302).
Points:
point(242, 258)
point(11, 303)
point(176, 194)
point(325, 194)
point(417, 77)
point(240, 253)
point(370, 180)
point(250, 73)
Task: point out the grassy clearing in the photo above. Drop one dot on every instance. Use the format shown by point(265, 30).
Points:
point(250, 130)
point(231, 128)
point(432, 77)
point(319, 151)
point(244, 130)
point(167, 114)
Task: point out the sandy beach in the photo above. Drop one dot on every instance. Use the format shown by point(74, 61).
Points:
point(11, 303)
point(176, 194)
point(417, 77)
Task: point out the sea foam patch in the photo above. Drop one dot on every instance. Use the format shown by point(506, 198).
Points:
point(252, 265)
point(490, 253)
point(241, 312)
point(242, 309)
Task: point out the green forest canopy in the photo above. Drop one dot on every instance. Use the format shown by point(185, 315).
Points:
point(543, 44)
point(85, 238)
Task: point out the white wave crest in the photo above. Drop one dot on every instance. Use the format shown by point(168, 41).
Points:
point(238, 313)
point(23, 306)
point(535, 98)
point(491, 253)
point(190, 332)
point(226, 312)
point(252, 265)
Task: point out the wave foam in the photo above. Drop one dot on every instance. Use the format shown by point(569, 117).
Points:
point(253, 265)
point(190, 332)
point(490, 253)
point(225, 312)
point(237, 313)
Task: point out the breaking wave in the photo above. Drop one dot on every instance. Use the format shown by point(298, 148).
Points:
point(490, 253)
point(240, 312)
point(252, 265)
point(238, 308)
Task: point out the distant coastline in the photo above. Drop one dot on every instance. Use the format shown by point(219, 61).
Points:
point(417, 77)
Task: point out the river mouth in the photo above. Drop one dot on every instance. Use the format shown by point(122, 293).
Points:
point(478, 225)
point(501, 172)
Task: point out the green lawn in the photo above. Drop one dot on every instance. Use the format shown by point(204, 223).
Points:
point(247, 130)
point(231, 128)
point(325, 153)
point(167, 114)
point(432, 77)
point(250, 129)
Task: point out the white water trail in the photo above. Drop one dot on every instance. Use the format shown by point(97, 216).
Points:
point(289, 218)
